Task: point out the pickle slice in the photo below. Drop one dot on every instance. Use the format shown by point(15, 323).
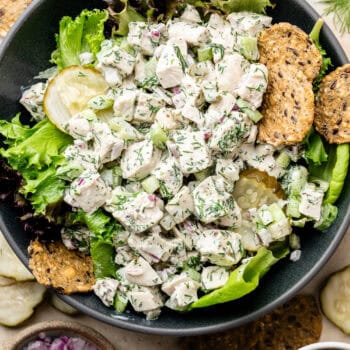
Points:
point(60, 305)
point(254, 189)
point(17, 302)
point(335, 299)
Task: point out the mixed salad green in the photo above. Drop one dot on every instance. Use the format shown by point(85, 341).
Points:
point(146, 135)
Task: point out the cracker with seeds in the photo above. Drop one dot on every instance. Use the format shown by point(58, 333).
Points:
point(288, 107)
point(291, 326)
point(53, 265)
point(287, 44)
point(10, 10)
point(332, 112)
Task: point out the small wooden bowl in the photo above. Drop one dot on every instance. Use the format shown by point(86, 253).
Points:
point(56, 329)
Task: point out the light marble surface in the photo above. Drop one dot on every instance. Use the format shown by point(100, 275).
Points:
point(125, 340)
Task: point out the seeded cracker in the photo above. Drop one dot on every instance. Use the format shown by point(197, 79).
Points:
point(10, 10)
point(291, 326)
point(287, 44)
point(288, 107)
point(53, 265)
point(332, 113)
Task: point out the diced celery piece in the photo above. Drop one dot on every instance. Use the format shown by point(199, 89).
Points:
point(124, 45)
point(112, 177)
point(100, 102)
point(150, 67)
point(300, 222)
point(249, 48)
point(123, 129)
point(158, 136)
point(192, 273)
point(202, 175)
point(294, 241)
point(205, 54)
point(150, 184)
point(245, 107)
point(283, 160)
point(120, 303)
point(276, 212)
point(293, 208)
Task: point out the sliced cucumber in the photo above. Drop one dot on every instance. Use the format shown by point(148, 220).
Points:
point(10, 265)
point(17, 302)
point(335, 299)
point(60, 305)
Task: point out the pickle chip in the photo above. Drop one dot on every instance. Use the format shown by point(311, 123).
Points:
point(18, 300)
point(53, 265)
point(335, 299)
point(291, 326)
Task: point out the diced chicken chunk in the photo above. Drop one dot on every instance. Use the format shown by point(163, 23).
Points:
point(124, 104)
point(87, 192)
point(169, 175)
point(105, 289)
point(229, 72)
point(248, 23)
point(168, 118)
point(230, 133)
point(185, 294)
point(169, 286)
point(220, 247)
point(139, 160)
point(145, 299)
point(169, 68)
point(193, 34)
point(80, 125)
point(214, 277)
point(108, 146)
point(191, 15)
point(33, 99)
point(212, 199)
point(253, 85)
point(228, 169)
point(136, 212)
point(140, 272)
point(311, 201)
point(181, 206)
point(147, 107)
point(193, 152)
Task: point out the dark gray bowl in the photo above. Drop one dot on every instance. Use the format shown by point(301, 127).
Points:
point(26, 51)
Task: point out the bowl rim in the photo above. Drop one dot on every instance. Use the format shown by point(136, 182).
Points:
point(327, 345)
point(149, 329)
point(26, 335)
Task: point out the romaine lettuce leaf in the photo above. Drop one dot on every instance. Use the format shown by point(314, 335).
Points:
point(85, 33)
point(243, 280)
point(334, 171)
point(326, 61)
point(315, 152)
point(103, 228)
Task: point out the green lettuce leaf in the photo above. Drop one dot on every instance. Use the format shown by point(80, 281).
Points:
point(228, 6)
point(15, 132)
point(102, 255)
point(243, 280)
point(103, 228)
point(85, 33)
point(334, 171)
point(315, 152)
point(326, 61)
point(36, 153)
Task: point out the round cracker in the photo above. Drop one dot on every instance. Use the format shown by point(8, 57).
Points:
point(291, 326)
point(332, 112)
point(53, 265)
point(287, 44)
point(10, 10)
point(288, 107)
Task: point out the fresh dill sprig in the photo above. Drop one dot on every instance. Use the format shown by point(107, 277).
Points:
point(340, 9)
